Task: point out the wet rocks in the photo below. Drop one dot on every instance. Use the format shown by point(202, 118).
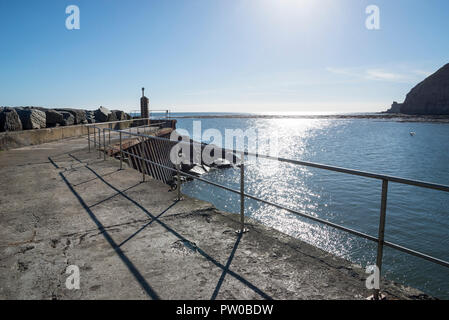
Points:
point(222, 163)
point(197, 170)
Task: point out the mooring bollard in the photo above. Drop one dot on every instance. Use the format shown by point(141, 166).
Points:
point(381, 237)
point(121, 152)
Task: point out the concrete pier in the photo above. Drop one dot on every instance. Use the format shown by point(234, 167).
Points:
point(61, 206)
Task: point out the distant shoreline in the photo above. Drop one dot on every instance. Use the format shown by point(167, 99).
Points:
point(379, 116)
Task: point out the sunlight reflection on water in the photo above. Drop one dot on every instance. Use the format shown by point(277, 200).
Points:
point(419, 222)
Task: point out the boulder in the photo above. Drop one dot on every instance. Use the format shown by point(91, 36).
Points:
point(101, 114)
point(90, 116)
point(222, 163)
point(9, 120)
point(430, 97)
point(119, 115)
point(54, 118)
point(78, 114)
point(112, 116)
point(68, 118)
point(32, 118)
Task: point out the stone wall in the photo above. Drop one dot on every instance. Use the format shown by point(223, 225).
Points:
point(17, 139)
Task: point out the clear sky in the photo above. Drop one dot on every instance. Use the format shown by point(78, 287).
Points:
point(219, 55)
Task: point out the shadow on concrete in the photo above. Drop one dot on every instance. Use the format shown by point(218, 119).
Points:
point(128, 263)
point(146, 225)
point(225, 269)
point(135, 272)
point(104, 175)
point(114, 195)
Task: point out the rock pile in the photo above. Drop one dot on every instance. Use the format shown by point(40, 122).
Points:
point(25, 118)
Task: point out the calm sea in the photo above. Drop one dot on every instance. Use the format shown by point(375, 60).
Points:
point(416, 218)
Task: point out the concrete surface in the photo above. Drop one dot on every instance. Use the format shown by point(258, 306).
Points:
point(61, 206)
point(17, 139)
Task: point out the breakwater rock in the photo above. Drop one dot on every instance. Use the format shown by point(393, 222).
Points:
point(27, 118)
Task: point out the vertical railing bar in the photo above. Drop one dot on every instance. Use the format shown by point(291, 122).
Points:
point(242, 196)
point(381, 237)
point(95, 139)
point(178, 182)
point(104, 144)
point(121, 152)
point(99, 143)
point(142, 163)
point(88, 137)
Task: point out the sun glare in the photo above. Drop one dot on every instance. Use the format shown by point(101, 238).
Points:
point(287, 11)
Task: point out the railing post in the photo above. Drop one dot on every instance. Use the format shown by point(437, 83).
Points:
point(99, 143)
point(142, 162)
point(121, 152)
point(95, 138)
point(242, 195)
point(381, 237)
point(178, 182)
point(88, 137)
point(104, 144)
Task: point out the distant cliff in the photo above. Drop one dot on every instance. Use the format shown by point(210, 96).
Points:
point(430, 97)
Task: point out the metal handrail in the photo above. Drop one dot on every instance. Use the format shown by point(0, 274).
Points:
point(96, 127)
point(385, 179)
point(112, 122)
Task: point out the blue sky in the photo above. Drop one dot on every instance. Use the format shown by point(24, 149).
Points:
point(219, 55)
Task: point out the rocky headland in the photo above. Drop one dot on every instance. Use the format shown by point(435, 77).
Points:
point(429, 98)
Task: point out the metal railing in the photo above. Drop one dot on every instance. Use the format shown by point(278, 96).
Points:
point(380, 239)
point(96, 126)
point(166, 111)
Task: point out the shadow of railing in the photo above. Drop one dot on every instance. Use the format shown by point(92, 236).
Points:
point(131, 267)
point(117, 247)
point(225, 268)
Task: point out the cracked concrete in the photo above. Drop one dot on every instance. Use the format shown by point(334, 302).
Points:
point(61, 206)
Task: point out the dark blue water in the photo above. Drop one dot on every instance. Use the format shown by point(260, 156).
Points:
point(416, 218)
